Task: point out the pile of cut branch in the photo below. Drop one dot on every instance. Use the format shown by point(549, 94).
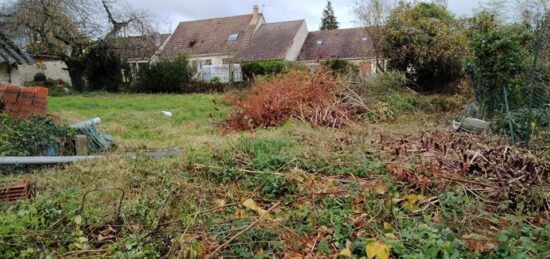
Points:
point(487, 168)
point(310, 97)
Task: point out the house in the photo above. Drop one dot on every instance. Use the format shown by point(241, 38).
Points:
point(18, 67)
point(276, 41)
point(11, 58)
point(217, 46)
point(213, 41)
point(213, 44)
point(137, 51)
point(352, 45)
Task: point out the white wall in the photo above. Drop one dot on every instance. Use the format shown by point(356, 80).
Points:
point(297, 43)
point(23, 73)
point(216, 60)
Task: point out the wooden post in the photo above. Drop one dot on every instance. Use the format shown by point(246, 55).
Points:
point(81, 145)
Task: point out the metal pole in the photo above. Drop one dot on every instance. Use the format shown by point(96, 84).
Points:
point(508, 115)
point(43, 160)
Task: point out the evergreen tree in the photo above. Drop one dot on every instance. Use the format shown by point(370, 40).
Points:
point(329, 20)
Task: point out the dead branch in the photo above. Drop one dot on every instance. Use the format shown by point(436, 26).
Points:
point(219, 248)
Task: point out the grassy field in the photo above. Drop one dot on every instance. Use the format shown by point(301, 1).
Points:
point(325, 191)
point(136, 120)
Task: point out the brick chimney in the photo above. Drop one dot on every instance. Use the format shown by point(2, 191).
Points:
point(255, 13)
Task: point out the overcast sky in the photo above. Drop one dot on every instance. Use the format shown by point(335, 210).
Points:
point(170, 12)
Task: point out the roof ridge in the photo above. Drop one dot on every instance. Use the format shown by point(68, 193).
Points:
point(216, 18)
point(344, 29)
point(300, 20)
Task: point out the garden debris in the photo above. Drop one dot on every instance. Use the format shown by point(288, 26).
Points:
point(478, 243)
point(166, 113)
point(97, 143)
point(160, 154)
point(484, 167)
point(16, 192)
point(310, 97)
point(470, 125)
point(23, 102)
point(36, 136)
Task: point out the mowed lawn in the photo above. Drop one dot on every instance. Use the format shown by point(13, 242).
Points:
point(136, 121)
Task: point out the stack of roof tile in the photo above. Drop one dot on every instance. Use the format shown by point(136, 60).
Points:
point(13, 193)
point(23, 102)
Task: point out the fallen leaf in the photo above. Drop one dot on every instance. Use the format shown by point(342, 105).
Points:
point(240, 214)
point(251, 204)
point(436, 219)
point(345, 252)
point(219, 202)
point(293, 255)
point(378, 250)
point(411, 201)
point(379, 187)
point(78, 220)
point(478, 243)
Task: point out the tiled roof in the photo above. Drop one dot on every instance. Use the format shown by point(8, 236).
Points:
point(11, 54)
point(211, 36)
point(336, 44)
point(271, 41)
point(139, 47)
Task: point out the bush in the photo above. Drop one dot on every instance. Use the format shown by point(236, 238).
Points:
point(341, 66)
point(388, 95)
point(381, 83)
point(262, 68)
point(39, 77)
point(103, 68)
point(212, 87)
point(32, 137)
point(425, 42)
point(496, 64)
point(169, 76)
point(540, 123)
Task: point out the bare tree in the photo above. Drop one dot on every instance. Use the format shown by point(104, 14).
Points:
point(66, 28)
point(373, 14)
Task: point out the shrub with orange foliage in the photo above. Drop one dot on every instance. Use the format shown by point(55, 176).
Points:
point(310, 97)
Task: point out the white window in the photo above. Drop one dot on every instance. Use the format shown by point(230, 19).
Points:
point(233, 37)
point(319, 42)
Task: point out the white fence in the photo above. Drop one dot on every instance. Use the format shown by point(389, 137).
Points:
point(223, 73)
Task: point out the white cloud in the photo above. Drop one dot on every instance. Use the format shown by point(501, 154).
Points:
point(169, 13)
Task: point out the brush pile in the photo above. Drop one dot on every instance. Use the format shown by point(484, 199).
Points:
point(310, 97)
point(488, 169)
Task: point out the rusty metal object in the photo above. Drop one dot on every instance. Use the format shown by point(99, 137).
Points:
point(19, 191)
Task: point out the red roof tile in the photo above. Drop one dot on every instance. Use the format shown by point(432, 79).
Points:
point(336, 44)
point(209, 37)
point(271, 41)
